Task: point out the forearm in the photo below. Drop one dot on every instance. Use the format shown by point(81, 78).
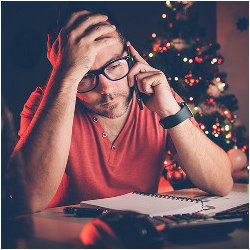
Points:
point(45, 144)
point(206, 164)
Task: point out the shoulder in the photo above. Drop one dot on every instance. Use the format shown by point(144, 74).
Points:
point(33, 102)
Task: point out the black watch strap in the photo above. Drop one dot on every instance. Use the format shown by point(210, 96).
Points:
point(173, 120)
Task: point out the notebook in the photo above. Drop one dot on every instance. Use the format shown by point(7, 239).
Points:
point(151, 204)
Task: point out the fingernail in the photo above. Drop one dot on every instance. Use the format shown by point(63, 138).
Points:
point(128, 43)
point(113, 26)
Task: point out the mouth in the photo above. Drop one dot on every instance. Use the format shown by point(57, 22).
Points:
point(109, 103)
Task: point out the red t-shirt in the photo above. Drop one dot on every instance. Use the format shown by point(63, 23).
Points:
point(98, 169)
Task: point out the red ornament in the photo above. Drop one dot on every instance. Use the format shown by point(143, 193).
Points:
point(238, 158)
point(174, 174)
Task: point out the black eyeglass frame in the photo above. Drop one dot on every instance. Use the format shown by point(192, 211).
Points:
point(102, 72)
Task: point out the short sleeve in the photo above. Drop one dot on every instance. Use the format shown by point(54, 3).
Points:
point(30, 108)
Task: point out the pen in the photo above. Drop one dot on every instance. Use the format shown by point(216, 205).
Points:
point(84, 212)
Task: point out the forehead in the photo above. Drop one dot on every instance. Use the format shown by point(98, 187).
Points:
point(108, 53)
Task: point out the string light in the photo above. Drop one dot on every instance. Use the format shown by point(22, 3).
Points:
point(190, 60)
point(165, 162)
point(228, 136)
point(150, 54)
point(227, 127)
point(164, 15)
point(191, 98)
point(216, 135)
point(176, 78)
point(206, 132)
point(214, 126)
point(203, 127)
point(227, 141)
point(196, 108)
point(154, 35)
point(185, 59)
point(168, 44)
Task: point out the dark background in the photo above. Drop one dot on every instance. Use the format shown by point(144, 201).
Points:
point(24, 38)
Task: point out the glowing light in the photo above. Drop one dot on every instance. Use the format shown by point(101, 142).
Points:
point(228, 136)
point(170, 25)
point(169, 78)
point(176, 78)
point(191, 98)
point(214, 60)
point(185, 59)
point(164, 15)
point(165, 162)
point(218, 79)
point(198, 49)
point(178, 54)
point(150, 54)
point(223, 84)
point(202, 127)
point(154, 35)
point(227, 141)
point(226, 112)
point(196, 108)
point(169, 152)
point(227, 127)
point(206, 132)
point(214, 126)
point(190, 60)
point(168, 3)
point(168, 44)
point(216, 135)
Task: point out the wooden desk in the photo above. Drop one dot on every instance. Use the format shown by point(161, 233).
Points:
point(53, 229)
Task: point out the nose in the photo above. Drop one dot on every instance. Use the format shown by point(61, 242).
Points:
point(105, 85)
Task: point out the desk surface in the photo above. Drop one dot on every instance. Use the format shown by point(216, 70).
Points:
point(53, 229)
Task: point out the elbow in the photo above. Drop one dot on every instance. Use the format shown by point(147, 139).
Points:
point(225, 189)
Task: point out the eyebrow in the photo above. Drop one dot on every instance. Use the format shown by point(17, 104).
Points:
point(115, 57)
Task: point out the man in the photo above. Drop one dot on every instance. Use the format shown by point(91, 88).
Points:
point(84, 136)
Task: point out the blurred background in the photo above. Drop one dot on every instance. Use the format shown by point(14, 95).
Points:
point(220, 44)
point(24, 37)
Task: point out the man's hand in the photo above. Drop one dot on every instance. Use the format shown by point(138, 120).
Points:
point(153, 83)
point(79, 41)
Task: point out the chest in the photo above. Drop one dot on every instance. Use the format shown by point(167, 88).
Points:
point(112, 131)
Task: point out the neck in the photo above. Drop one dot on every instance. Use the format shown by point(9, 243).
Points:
point(114, 126)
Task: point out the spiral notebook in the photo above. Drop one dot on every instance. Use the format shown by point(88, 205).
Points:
point(151, 204)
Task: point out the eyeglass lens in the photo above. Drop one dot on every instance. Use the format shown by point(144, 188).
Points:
point(114, 71)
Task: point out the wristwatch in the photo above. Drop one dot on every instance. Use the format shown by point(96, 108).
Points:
point(173, 120)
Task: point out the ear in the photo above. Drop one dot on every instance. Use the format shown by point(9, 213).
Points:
point(52, 50)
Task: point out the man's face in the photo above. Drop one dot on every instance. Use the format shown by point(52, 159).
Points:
point(110, 98)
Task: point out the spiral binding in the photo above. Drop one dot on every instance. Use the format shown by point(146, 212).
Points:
point(166, 196)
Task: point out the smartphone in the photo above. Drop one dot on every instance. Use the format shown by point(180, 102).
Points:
point(137, 92)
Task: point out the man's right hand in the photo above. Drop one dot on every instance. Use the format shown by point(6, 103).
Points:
point(79, 41)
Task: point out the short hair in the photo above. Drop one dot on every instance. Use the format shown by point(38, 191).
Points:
point(66, 9)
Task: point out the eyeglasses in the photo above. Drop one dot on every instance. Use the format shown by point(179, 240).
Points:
point(114, 71)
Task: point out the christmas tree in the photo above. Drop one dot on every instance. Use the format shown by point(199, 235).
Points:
point(191, 64)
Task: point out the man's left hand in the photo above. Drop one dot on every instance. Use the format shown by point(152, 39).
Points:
point(153, 84)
